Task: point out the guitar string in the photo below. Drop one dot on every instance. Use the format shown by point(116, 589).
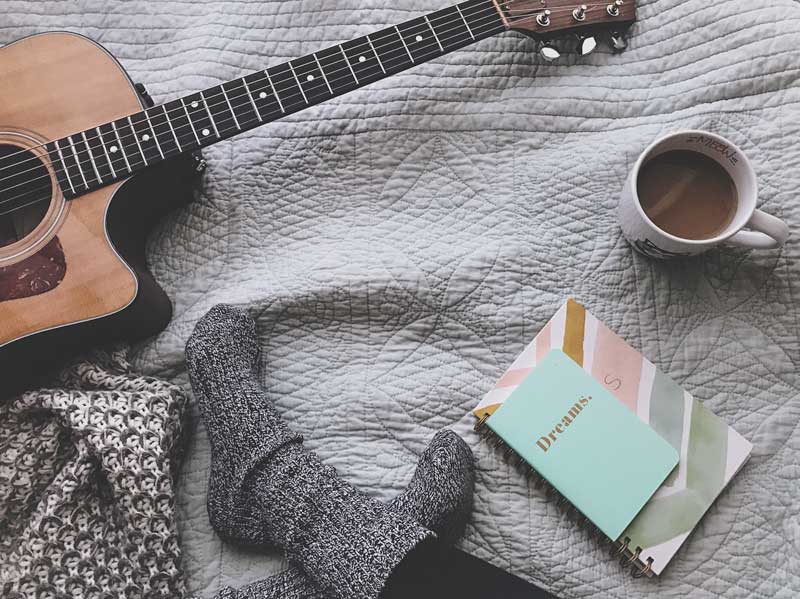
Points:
point(187, 134)
point(230, 119)
point(188, 137)
point(492, 13)
point(490, 10)
point(79, 163)
point(400, 52)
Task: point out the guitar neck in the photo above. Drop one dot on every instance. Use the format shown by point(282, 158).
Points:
point(113, 151)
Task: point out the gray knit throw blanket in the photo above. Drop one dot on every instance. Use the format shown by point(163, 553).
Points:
point(86, 485)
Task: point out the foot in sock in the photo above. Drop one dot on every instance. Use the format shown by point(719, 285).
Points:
point(265, 488)
point(439, 497)
point(243, 428)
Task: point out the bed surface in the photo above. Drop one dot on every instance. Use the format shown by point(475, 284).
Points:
point(400, 245)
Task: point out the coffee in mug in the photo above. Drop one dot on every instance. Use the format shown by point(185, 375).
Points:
point(687, 194)
point(693, 190)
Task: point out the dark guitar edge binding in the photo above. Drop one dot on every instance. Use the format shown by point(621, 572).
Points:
point(619, 549)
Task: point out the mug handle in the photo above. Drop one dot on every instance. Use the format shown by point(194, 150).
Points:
point(768, 232)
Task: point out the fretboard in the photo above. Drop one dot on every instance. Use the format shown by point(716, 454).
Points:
point(112, 151)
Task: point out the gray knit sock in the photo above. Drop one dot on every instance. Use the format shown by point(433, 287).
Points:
point(264, 487)
point(439, 497)
point(289, 584)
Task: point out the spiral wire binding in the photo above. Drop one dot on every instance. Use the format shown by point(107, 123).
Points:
point(620, 549)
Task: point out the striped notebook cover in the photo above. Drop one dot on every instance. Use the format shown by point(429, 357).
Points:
point(711, 452)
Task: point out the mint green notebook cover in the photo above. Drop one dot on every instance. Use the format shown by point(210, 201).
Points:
point(597, 453)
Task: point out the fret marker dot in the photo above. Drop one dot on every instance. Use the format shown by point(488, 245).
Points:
point(262, 95)
point(310, 78)
point(113, 149)
point(145, 137)
point(419, 38)
point(206, 132)
point(194, 104)
point(362, 59)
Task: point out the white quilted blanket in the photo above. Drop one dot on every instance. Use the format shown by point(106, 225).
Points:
point(399, 246)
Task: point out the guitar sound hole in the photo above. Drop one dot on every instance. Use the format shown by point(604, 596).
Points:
point(25, 192)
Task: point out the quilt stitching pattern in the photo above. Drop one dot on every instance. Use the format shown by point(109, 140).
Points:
point(400, 245)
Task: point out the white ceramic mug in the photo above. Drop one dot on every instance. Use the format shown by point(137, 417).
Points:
point(749, 228)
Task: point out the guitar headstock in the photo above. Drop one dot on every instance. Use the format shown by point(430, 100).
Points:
point(548, 20)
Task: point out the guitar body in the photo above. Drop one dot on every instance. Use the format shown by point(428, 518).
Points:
point(87, 165)
point(78, 277)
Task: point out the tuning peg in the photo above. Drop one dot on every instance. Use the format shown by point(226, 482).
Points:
point(618, 42)
point(543, 18)
point(613, 9)
point(586, 45)
point(549, 52)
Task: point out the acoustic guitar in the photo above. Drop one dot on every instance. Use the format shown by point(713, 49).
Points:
point(79, 146)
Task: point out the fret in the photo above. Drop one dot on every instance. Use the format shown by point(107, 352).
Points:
point(266, 102)
point(204, 102)
point(362, 60)
point(198, 119)
point(101, 164)
point(145, 141)
point(230, 107)
point(483, 20)
point(189, 118)
point(297, 81)
point(77, 160)
point(161, 129)
point(349, 65)
point(404, 44)
point(252, 100)
point(333, 62)
point(130, 144)
point(120, 147)
point(84, 160)
point(111, 146)
point(419, 40)
point(450, 29)
point(136, 139)
point(324, 76)
point(153, 134)
point(391, 51)
point(169, 118)
point(61, 173)
point(311, 79)
point(105, 151)
point(433, 31)
point(241, 103)
point(469, 29)
point(286, 87)
point(91, 157)
point(70, 164)
point(375, 52)
point(64, 166)
point(274, 92)
point(209, 114)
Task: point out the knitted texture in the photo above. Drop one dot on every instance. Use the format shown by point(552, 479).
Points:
point(439, 497)
point(265, 488)
point(86, 486)
point(290, 584)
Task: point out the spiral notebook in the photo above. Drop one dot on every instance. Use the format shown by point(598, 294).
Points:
point(596, 453)
point(710, 452)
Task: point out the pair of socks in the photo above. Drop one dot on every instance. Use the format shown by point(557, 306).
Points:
point(266, 490)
